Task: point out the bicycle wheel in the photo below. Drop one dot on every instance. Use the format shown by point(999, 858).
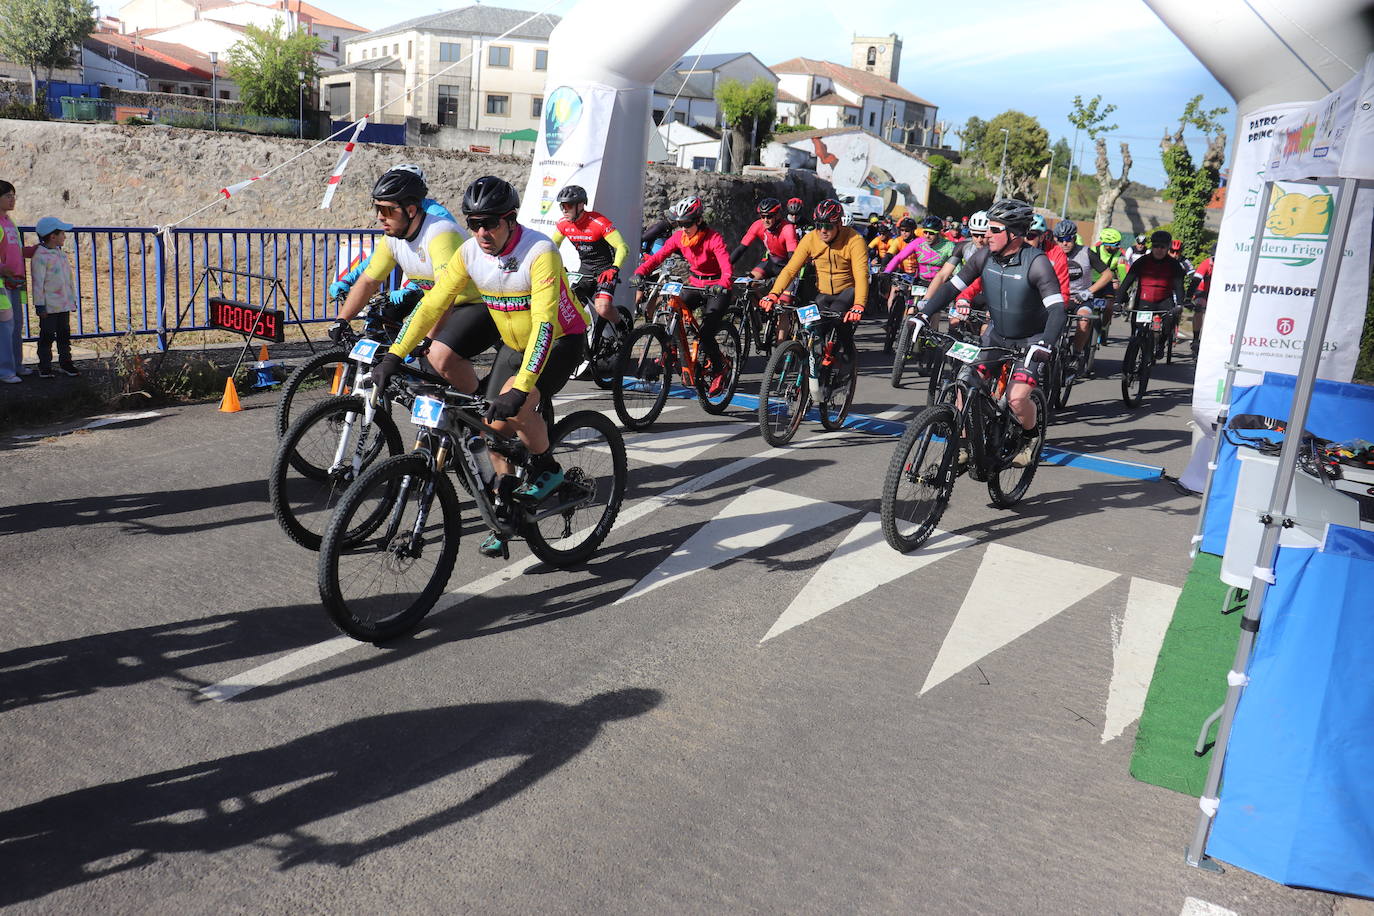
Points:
point(382, 586)
point(309, 383)
point(605, 359)
point(943, 375)
point(920, 478)
point(784, 394)
point(834, 408)
point(1135, 370)
point(1068, 364)
point(738, 317)
point(900, 354)
point(576, 518)
point(306, 481)
point(1008, 482)
point(646, 374)
point(727, 339)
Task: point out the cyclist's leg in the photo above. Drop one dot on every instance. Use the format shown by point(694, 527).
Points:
point(602, 303)
point(1199, 312)
point(1080, 336)
point(717, 301)
point(544, 474)
point(464, 332)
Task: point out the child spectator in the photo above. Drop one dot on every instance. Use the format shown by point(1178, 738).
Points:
point(54, 297)
point(12, 294)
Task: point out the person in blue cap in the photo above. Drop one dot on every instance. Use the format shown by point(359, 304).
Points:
point(54, 297)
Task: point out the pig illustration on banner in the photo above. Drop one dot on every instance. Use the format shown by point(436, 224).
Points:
point(1292, 214)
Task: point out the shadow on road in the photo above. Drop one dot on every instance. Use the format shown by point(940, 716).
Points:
point(132, 510)
point(266, 798)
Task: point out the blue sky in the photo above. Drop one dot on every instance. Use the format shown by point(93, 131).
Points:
point(982, 60)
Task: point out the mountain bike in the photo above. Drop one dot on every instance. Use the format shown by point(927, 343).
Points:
point(969, 430)
point(605, 342)
point(907, 291)
point(815, 364)
point(1152, 332)
point(758, 329)
point(392, 541)
point(671, 343)
point(1073, 367)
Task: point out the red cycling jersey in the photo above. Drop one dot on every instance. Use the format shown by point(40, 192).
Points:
point(1159, 279)
point(705, 253)
point(779, 244)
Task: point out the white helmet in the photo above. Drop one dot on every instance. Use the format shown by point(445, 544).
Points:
point(978, 222)
point(410, 167)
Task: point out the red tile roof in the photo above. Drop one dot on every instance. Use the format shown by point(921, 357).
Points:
point(859, 80)
point(318, 16)
point(834, 98)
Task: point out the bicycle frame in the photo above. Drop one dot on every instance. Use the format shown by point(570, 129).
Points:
point(979, 404)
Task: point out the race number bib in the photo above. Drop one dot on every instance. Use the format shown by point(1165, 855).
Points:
point(964, 352)
point(364, 351)
point(427, 412)
point(809, 314)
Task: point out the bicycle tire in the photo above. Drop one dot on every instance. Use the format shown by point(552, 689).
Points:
point(359, 582)
point(302, 502)
point(738, 317)
point(727, 339)
point(645, 377)
point(1068, 377)
point(832, 411)
point(927, 459)
point(1007, 484)
point(784, 393)
point(591, 452)
point(900, 354)
point(1135, 371)
point(946, 370)
point(308, 383)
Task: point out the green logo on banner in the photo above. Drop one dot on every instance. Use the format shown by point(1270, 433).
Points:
point(562, 111)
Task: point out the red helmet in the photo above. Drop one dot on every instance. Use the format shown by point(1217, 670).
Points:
point(828, 212)
point(794, 206)
point(1175, 245)
point(769, 206)
point(687, 210)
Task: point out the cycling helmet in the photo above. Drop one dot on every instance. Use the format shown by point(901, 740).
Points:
point(828, 213)
point(1175, 245)
point(933, 222)
point(687, 210)
point(573, 194)
point(1160, 237)
point(491, 196)
point(769, 206)
point(1038, 224)
point(410, 167)
point(1109, 236)
point(907, 224)
point(401, 185)
point(1014, 214)
point(795, 206)
point(1066, 230)
point(978, 222)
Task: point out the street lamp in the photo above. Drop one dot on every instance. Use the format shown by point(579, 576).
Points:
point(1049, 179)
point(214, 113)
point(300, 105)
point(1073, 157)
point(1002, 172)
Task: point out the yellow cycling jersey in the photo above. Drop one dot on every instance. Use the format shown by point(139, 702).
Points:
point(526, 293)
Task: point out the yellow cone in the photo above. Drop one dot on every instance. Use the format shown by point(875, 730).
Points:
point(337, 386)
point(230, 402)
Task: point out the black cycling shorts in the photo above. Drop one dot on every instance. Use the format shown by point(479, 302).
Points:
point(588, 287)
point(1036, 371)
point(770, 267)
point(712, 299)
point(564, 358)
point(467, 330)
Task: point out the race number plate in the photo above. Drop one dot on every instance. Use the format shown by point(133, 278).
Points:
point(809, 314)
point(364, 351)
point(574, 279)
point(1143, 317)
point(964, 352)
point(672, 288)
point(427, 412)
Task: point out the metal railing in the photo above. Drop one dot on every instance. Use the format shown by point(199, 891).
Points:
point(137, 279)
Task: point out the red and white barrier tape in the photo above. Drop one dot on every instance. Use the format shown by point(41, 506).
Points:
point(337, 175)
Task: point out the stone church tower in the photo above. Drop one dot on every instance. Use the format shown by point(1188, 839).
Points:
point(880, 56)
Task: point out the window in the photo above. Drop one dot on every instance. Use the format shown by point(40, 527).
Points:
point(541, 59)
point(410, 50)
point(396, 49)
point(536, 106)
point(498, 105)
point(224, 93)
point(165, 87)
point(658, 116)
point(704, 163)
point(680, 117)
point(872, 118)
point(450, 50)
point(498, 56)
point(200, 91)
point(336, 44)
point(872, 55)
point(448, 105)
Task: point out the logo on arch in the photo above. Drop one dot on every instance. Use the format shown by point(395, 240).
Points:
point(562, 111)
point(1285, 326)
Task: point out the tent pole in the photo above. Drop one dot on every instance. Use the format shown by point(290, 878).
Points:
point(1274, 517)
point(1233, 363)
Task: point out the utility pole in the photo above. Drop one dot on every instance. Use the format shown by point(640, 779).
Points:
point(1049, 179)
point(1068, 177)
point(214, 113)
point(300, 105)
point(1002, 172)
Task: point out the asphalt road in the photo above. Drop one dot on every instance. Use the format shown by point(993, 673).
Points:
point(744, 703)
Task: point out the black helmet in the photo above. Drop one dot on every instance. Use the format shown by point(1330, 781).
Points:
point(490, 195)
point(1066, 230)
point(769, 206)
point(828, 213)
point(1160, 238)
point(907, 223)
point(1015, 214)
point(573, 194)
point(933, 222)
point(402, 185)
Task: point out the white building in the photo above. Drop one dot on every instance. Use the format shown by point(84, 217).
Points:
point(215, 25)
point(126, 62)
point(690, 147)
point(694, 80)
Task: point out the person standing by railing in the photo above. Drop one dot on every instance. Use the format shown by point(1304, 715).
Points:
point(12, 305)
point(54, 297)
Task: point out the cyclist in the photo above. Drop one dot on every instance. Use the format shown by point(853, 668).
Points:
point(541, 322)
point(840, 260)
point(1157, 279)
point(421, 244)
point(882, 239)
point(1108, 251)
point(600, 250)
point(1024, 299)
point(655, 235)
point(779, 239)
point(1139, 248)
point(917, 260)
point(941, 242)
point(1176, 252)
point(795, 206)
point(1039, 236)
point(708, 282)
point(1200, 287)
point(1083, 265)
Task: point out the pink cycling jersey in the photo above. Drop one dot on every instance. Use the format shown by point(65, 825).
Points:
point(780, 244)
point(928, 260)
point(706, 257)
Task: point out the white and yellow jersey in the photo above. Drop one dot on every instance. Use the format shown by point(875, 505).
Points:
point(526, 292)
point(421, 257)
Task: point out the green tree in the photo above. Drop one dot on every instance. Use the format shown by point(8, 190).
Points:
point(941, 170)
point(1028, 150)
point(44, 34)
point(971, 139)
point(1092, 118)
point(1191, 188)
point(267, 66)
point(1060, 154)
point(749, 112)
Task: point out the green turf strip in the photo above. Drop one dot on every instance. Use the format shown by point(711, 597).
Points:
point(1189, 683)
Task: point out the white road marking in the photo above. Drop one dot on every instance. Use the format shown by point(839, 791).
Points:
point(1013, 592)
point(672, 448)
point(1192, 906)
point(266, 674)
point(861, 563)
point(756, 519)
point(1136, 638)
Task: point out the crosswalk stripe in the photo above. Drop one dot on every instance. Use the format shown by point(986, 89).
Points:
point(862, 562)
point(1136, 638)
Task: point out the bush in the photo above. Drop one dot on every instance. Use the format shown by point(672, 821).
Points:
point(23, 111)
point(791, 128)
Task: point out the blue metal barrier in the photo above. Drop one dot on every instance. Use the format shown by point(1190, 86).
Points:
point(135, 279)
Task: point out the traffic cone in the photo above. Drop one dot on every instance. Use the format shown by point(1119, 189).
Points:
point(262, 354)
point(337, 386)
point(230, 402)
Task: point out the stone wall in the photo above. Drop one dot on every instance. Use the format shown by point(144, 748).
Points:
point(140, 99)
point(115, 175)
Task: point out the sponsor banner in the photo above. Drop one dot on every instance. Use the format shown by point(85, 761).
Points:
point(1297, 231)
point(572, 142)
point(1328, 138)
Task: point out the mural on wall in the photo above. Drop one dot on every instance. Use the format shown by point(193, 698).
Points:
point(844, 161)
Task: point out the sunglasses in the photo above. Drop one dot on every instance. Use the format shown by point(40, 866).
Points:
point(476, 223)
point(930, 233)
point(996, 230)
point(388, 209)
